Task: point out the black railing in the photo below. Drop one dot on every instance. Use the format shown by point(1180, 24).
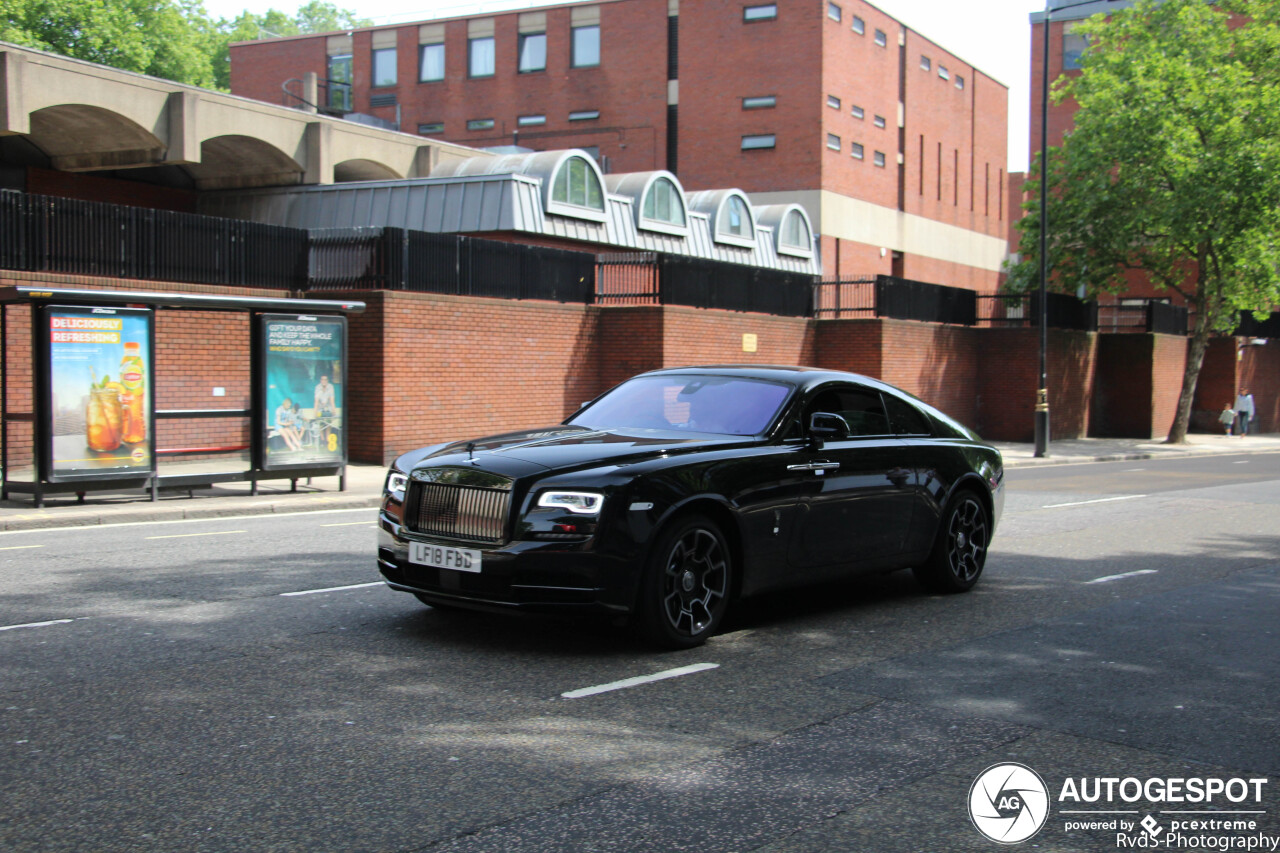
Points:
point(703, 283)
point(903, 299)
point(1250, 328)
point(845, 298)
point(1144, 315)
point(396, 259)
point(49, 234)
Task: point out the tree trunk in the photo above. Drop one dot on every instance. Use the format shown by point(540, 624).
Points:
point(1195, 359)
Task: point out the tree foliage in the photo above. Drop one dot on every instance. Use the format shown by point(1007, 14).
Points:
point(1172, 170)
point(173, 39)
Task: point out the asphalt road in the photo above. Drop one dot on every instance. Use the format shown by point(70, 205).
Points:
point(246, 684)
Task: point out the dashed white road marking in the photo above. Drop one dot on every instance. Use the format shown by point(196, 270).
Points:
point(639, 679)
point(186, 535)
point(1125, 575)
point(1096, 501)
point(36, 624)
point(331, 589)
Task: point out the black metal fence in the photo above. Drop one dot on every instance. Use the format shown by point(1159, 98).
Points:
point(49, 234)
point(704, 283)
point(1251, 328)
point(903, 299)
point(395, 259)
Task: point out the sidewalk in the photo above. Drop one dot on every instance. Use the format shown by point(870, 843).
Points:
point(364, 485)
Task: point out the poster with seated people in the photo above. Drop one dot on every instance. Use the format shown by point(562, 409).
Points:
point(303, 371)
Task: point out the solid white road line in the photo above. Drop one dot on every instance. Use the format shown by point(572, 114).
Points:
point(332, 589)
point(349, 524)
point(640, 679)
point(185, 535)
point(19, 547)
point(1125, 575)
point(35, 624)
point(1097, 501)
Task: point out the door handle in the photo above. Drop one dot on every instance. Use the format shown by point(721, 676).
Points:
point(814, 466)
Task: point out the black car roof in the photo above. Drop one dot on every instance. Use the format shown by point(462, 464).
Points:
point(805, 377)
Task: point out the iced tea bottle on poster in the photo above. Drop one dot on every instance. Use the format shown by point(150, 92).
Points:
point(133, 376)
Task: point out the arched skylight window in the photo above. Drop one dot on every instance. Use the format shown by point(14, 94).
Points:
point(662, 203)
point(735, 222)
point(795, 232)
point(576, 184)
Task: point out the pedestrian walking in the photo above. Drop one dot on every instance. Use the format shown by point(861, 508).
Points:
point(1228, 417)
point(1244, 410)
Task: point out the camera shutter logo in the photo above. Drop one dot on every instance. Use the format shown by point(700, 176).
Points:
point(1008, 803)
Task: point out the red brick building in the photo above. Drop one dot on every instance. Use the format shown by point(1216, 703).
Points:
point(895, 147)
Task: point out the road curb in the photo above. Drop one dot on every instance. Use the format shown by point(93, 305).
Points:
point(55, 518)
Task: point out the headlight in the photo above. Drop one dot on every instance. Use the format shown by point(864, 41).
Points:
point(579, 503)
point(396, 481)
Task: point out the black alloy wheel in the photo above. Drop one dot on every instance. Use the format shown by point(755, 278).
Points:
point(960, 551)
point(686, 590)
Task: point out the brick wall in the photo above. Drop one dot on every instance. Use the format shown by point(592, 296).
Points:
point(1216, 387)
point(1138, 380)
point(1260, 373)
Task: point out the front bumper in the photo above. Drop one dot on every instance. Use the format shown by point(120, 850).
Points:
point(569, 578)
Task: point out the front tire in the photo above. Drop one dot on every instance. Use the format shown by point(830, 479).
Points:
point(685, 590)
point(960, 550)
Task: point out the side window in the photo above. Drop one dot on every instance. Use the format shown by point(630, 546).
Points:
point(861, 409)
point(906, 418)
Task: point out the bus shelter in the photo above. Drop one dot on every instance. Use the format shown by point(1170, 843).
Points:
point(79, 388)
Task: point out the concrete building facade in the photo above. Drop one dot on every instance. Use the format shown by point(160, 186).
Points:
point(895, 147)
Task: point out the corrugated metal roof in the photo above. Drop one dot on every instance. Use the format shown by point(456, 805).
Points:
point(486, 203)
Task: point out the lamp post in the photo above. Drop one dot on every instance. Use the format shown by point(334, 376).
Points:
point(1042, 392)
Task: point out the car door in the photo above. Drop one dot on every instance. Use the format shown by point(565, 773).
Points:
point(857, 509)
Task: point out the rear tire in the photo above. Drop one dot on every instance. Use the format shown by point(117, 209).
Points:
point(685, 589)
point(960, 549)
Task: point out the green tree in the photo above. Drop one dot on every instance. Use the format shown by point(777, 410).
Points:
point(164, 38)
point(1172, 169)
point(314, 17)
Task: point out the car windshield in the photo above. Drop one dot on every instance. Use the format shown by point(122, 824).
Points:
point(723, 405)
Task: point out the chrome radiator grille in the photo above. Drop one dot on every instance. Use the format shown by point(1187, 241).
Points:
point(459, 512)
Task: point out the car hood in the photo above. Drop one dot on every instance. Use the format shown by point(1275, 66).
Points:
point(531, 451)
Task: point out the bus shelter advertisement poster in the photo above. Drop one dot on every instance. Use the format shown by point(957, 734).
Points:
point(101, 391)
point(304, 365)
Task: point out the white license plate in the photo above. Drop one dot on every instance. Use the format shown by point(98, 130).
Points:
point(444, 557)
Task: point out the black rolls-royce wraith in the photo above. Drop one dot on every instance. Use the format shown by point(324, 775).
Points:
point(666, 498)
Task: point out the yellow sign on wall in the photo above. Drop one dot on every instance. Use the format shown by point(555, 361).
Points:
point(750, 343)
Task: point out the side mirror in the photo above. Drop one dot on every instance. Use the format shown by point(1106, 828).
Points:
point(824, 426)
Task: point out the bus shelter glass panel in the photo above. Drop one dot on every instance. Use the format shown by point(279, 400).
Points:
point(303, 373)
point(100, 392)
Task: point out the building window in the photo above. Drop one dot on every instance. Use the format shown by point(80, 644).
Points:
point(432, 127)
point(833, 102)
point(795, 232)
point(1073, 47)
point(760, 102)
point(384, 66)
point(879, 159)
point(662, 204)
point(576, 184)
point(859, 26)
point(584, 115)
point(881, 38)
point(430, 62)
point(943, 72)
point(856, 150)
point(533, 52)
point(481, 56)
point(858, 112)
point(926, 63)
point(765, 12)
point(480, 124)
point(959, 82)
point(737, 221)
point(759, 140)
point(879, 121)
point(531, 120)
point(833, 12)
point(833, 142)
point(339, 81)
point(586, 46)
